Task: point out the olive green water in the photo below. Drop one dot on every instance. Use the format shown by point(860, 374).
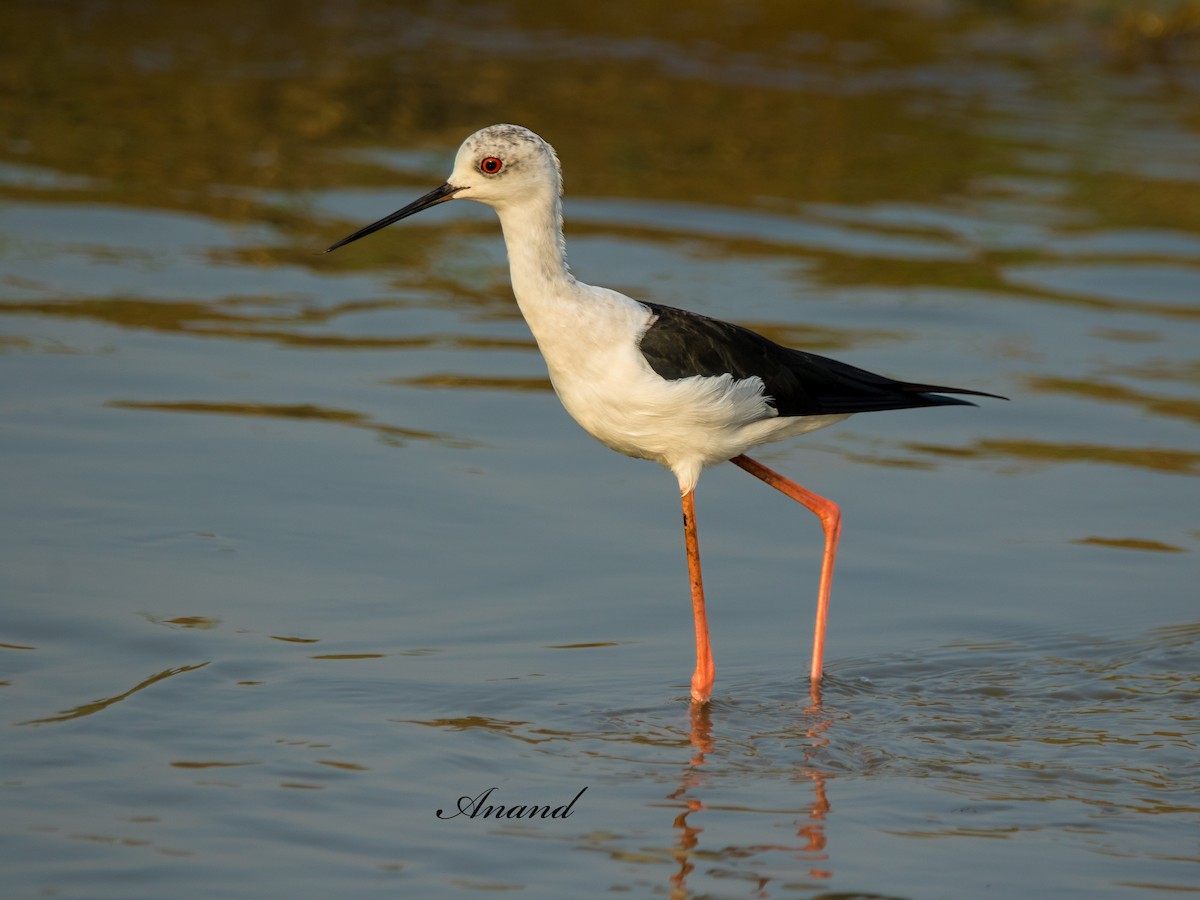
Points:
point(300, 549)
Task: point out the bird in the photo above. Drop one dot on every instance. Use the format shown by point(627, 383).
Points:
point(655, 382)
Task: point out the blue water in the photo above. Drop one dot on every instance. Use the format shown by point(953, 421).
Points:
point(299, 550)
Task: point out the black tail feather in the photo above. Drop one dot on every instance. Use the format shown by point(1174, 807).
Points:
point(680, 344)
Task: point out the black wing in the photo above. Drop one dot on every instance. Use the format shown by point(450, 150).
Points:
point(680, 344)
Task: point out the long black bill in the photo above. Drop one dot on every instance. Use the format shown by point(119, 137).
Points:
point(437, 195)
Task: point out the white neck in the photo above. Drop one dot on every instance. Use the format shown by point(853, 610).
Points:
point(537, 258)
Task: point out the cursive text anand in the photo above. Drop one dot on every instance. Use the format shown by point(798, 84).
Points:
point(473, 807)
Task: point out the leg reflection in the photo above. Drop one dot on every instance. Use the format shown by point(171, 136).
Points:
point(812, 848)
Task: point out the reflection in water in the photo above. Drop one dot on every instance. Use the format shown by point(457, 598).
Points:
point(1008, 729)
point(391, 434)
point(211, 320)
point(1186, 408)
point(1178, 462)
point(1131, 544)
point(209, 764)
point(96, 706)
point(203, 623)
point(811, 831)
point(476, 382)
point(806, 738)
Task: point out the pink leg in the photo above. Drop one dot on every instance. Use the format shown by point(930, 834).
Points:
point(831, 523)
point(702, 680)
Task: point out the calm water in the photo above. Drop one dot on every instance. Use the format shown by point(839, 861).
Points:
point(300, 549)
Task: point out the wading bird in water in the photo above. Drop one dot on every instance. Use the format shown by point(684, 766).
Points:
point(654, 382)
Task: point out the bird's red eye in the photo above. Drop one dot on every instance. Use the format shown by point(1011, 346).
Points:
point(490, 165)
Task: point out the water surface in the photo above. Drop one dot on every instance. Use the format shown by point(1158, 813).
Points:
point(300, 549)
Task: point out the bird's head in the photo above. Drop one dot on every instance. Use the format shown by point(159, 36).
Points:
point(501, 165)
point(504, 164)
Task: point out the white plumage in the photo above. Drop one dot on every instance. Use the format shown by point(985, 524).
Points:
point(654, 382)
point(589, 335)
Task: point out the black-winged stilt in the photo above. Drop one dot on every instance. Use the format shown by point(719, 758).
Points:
point(654, 382)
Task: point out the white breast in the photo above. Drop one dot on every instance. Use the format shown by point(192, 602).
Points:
point(607, 386)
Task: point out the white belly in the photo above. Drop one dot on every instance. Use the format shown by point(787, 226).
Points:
point(608, 387)
point(685, 424)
